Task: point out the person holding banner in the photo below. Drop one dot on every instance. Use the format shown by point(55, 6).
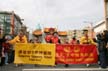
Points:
point(4, 51)
point(73, 41)
point(66, 41)
point(1, 51)
point(106, 37)
point(20, 38)
point(52, 37)
point(36, 40)
point(55, 39)
point(49, 35)
point(85, 39)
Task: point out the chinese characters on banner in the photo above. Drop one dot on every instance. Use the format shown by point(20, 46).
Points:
point(43, 54)
point(48, 54)
point(76, 54)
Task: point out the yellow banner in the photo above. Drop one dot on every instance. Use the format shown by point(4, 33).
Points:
point(43, 54)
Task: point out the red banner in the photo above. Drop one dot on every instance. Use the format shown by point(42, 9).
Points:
point(76, 54)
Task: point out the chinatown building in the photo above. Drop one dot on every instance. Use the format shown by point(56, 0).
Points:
point(10, 23)
point(106, 12)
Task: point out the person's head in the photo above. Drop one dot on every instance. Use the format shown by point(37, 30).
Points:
point(55, 34)
point(31, 41)
point(73, 38)
point(100, 36)
point(85, 32)
point(5, 37)
point(21, 33)
point(66, 40)
point(51, 31)
point(78, 42)
point(105, 32)
point(36, 38)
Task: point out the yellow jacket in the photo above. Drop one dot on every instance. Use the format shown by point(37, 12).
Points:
point(17, 40)
point(84, 40)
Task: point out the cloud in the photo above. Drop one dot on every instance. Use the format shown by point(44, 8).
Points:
point(67, 14)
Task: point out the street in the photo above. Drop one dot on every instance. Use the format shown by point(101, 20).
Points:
point(60, 67)
point(35, 35)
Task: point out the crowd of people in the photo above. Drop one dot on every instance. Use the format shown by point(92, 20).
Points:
point(101, 41)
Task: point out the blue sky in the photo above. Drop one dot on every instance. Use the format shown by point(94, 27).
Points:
point(63, 14)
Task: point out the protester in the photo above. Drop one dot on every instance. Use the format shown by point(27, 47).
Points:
point(78, 42)
point(102, 50)
point(102, 39)
point(36, 40)
point(6, 49)
point(31, 41)
point(55, 39)
point(47, 38)
point(2, 51)
point(66, 41)
point(10, 53)
point(52, 37)
point(73, 41)
point(20, 38)
point(49, 35)
point(106, 40)
point(1, 41)
point(85, 39)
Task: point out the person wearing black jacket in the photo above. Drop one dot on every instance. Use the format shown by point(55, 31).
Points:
point(101, 40)
point(106, 42)
point(2, 40)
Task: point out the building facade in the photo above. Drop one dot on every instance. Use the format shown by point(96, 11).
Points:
point(106, 13)
point(10, 23)
point(100, 26)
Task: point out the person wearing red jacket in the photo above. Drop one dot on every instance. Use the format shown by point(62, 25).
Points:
point(55, 39)
point(49, 35)
point(52, 37)
point(48, 38)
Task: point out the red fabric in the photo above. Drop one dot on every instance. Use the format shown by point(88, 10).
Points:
point(6, 47)
point(48, 38)
point(54, 39)
point(76, 54)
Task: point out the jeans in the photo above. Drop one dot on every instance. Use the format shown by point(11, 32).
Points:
point(11, 56)
point(6, 58)
point(103, 61)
